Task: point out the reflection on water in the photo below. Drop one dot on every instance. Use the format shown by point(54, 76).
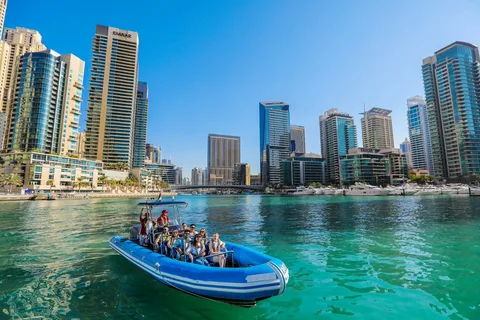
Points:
point(365, 258)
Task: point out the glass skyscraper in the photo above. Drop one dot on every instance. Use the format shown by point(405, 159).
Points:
point(140, 132)
point(338, 134)
point(297, 136)
point(112, 94)
point(46, 108)
point(274, 140)
point(419, 132)
point(452, 89)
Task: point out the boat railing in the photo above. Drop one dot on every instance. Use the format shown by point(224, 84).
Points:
point(222, 253)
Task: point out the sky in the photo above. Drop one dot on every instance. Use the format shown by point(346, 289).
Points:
point(209, 63)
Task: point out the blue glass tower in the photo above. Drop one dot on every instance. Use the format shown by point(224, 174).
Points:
point(140, 132)
point(419, 132)
point(37, 107)
point(338, 134)
point(452, 89)
point(274, 140)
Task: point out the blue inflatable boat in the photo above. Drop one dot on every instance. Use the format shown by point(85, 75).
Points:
point(248, 276)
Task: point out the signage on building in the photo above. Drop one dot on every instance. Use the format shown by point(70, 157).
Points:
point(122, 34)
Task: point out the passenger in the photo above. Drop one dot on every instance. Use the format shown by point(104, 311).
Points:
point(143, 229)
point(192, 229)
point(216, 247)
point(163, 219)
point(203, 233)
point(196, 251)
point(184, 227)
point(176, 245)
point(161, 241)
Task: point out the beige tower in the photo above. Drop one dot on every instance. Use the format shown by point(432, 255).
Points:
point(223, 155)
point(112, 95)
point(71, 104)
point(377, 129)
point(3, 11)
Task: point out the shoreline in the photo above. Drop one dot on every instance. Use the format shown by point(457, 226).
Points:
point(77, 196)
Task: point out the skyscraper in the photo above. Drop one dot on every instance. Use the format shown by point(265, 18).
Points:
point(3, 11)
point(80, 144)
point(241, 174)
point(16, 43)
point(297, 138)
point(377, 130)
point(452, 90)
point(196, 176)
point(338, 134)
point(274, 140)
point(406, 149)
point(46, 107)
point(140, 129)
point(223, 154)
point(419, 132)
point(178, 176)
point(112, 94)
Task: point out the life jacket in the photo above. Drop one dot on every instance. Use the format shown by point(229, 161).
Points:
point(216, 245)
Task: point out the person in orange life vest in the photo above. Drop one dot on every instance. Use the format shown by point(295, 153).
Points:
point(163, 219)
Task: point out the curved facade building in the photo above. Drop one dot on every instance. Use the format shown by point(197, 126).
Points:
point(46, 108)
point(452, 89)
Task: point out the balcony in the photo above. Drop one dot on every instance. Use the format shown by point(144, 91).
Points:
point(78, 85)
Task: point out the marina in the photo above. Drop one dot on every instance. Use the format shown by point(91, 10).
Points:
point(360, 257)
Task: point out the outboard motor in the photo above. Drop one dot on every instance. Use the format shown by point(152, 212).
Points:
point(134, 233)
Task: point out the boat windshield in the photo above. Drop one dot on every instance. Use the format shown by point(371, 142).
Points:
point(172, 206)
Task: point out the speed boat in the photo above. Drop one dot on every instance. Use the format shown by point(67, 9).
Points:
point(249, 276)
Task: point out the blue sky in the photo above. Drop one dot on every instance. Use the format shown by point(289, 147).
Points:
point(209, 63)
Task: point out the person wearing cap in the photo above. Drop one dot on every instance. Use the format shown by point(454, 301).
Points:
point(162, 240)
point(163, 219)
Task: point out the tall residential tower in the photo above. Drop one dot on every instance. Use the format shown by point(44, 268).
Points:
point(377, 130)
point(3, 11)
point(274, 140)
point(451, 79)
point(16, 43)
point(223, 155)
point(140, 129)
point(46, 107)
point(112, 94)
point(419, 132)
point(338, 134)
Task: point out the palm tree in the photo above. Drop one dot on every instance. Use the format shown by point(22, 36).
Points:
point(14, 180)
point(50, 183)
point(80, 183)
point(103, 180)
point(3, 181)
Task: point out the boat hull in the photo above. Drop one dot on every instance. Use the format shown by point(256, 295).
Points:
point(242, 286)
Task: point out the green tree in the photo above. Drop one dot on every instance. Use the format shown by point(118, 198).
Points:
point(51, 184)
point(14, 179)
point(103, 180)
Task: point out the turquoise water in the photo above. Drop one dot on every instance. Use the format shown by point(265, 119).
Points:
point(349, 258)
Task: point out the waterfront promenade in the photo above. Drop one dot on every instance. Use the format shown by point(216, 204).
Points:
point(82, 195)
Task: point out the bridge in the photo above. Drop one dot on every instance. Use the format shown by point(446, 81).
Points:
point(243, 187)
